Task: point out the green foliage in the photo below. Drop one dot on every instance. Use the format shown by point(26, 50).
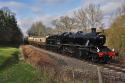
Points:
point(116, 35)
point(9, 31)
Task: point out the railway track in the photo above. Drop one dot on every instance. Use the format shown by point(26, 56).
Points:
point(115, 67)
point(111, 66)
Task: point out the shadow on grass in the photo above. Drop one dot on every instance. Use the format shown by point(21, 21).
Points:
point(4, 44)
point(10, 61)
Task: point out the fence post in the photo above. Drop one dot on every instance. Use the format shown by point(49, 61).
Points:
point(99, 75)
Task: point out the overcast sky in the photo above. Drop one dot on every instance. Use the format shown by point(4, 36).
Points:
point(29, 11)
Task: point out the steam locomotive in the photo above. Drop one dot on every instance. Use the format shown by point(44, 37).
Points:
point(89, 46)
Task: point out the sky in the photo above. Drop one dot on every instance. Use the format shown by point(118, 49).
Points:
point(30, 11)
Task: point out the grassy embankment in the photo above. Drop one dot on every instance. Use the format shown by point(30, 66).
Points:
point(7, 55)
point(20, 72)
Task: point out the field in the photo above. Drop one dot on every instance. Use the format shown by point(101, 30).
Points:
point(19, 72)
point(6, 53)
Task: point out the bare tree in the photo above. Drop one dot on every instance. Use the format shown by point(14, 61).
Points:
point(81, 19)
point(65, 23)
point(94, 16)
point(57, 25)
point(50, 31)
point(68, 23)
point(90, 17)
point(119, 12)
point(37, 29)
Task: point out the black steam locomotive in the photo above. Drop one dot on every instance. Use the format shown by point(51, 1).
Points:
point(82, 45)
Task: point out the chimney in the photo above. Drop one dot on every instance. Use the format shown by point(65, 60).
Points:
point(93, 30)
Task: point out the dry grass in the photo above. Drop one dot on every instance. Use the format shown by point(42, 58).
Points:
point(41, 60)
point(59, 67)
point(66, 69)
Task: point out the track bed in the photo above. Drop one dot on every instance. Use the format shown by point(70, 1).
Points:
point(81, 70)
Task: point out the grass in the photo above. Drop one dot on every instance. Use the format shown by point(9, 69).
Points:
point(6, 53)
point(22, 73)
